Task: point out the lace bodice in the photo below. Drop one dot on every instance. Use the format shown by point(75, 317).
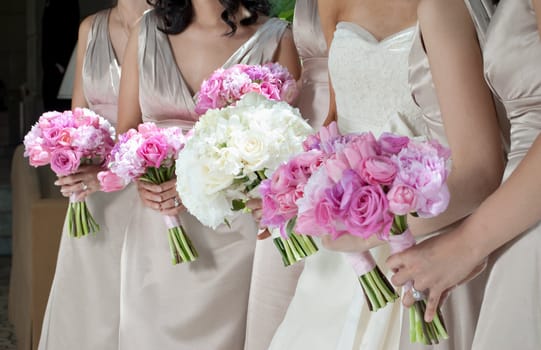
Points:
point(370, 78)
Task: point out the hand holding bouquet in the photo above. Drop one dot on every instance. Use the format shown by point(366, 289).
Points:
point(149, 154)
point(66, 141)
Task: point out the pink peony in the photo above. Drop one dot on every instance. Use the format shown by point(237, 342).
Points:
point(391, 143)
point(402, 199)
point(110, 182)
point(65, 161)
point(38, 156)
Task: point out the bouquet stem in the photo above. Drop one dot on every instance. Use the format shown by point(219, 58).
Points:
point(180, 245)
point(79, 219)
point(428, 333)
point(377, 290)
point(294, 248)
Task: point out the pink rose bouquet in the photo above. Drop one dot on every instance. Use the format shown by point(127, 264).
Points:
point(149, 154)
point(66, 140)
point(227, 86)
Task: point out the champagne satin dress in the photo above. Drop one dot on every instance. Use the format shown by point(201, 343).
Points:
point(84, 303)
point(203, 304)
point(461, 310)
point(510, 315)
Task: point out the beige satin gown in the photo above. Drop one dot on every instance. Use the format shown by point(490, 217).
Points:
point(83, 309)
point(203, 304)
point(510, 315)
point(461, 310)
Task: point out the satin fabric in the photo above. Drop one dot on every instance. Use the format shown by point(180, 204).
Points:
point(461, 310)
point(84, 303)
point(203, 304)
point(511, 312)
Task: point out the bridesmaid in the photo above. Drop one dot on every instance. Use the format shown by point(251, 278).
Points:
point(204, 304)
point(84, 304)
point(266, 296)
point(507, 224)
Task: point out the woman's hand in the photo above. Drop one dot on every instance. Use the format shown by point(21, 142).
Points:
point(163, 197)
point(435, 266)
point(256, 209)
point(82, 183)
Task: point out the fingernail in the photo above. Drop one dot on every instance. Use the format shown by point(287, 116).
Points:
point(57, 183)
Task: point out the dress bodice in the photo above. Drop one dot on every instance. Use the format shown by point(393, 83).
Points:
point(101, 71)
point(420, 76)
point(164, 95)
point(370, 77)
point(511, 57)
point(310, 41)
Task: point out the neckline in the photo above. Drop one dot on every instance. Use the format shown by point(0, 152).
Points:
point(371, 38)
point(189, 89)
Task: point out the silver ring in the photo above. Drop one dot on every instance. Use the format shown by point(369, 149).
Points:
point(85, 187)
point(417, 295)
point(176, 202)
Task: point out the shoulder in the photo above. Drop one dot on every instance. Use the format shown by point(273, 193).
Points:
point(85, 26)
point(446, 13)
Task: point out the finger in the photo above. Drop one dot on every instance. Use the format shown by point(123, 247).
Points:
point(407, 299)
point(69, 180)
point(75, 188)
point(150, 196)
point(432, 305)
point(257, 214)
point(263, 234)
point(169, 194)
point(254, 204)
point(173, 211)
point(150, 204)
point(167, 185)
point(401, 277)
point(394, 262)
point(149, 186)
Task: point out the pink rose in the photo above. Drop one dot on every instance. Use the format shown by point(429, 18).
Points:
point(391, 143)
point(65, 136)
point(65, 161)
point(110, 182)
point(153, 150)
point(402, 199)
point(37, 156)
point(365, 145)
point(368, 213)
point(378, 170)
point(51, 135)
point(270, 91)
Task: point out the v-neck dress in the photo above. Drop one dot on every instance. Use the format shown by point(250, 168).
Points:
point(84, 303)
point(203, 304)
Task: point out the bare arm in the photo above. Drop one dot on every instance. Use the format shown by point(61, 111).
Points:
point(443, 261)
point(287, 55)
point(129, 111)
point(467, 109)
point(78, 98)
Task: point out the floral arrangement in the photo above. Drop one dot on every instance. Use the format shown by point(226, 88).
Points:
point(232, 150)
point(149, 154)
point(65, 141)
point(366, 187)
point(227, 86)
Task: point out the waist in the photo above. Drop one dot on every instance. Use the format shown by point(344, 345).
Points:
point(525, 120)
point(107, 110)
point(315, 70)
point(167, 123)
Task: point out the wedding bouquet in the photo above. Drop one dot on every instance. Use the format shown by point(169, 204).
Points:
point(232, 150)
point(227, 86)
point(419, 188)
point(149, 154)
point(65, 141)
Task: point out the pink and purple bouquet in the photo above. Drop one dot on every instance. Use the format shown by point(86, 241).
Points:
point(366, 188)
point(227, 86)
point(66, 140)
point(149, 154)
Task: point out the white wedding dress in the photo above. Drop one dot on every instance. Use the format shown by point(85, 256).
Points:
point(328, 311)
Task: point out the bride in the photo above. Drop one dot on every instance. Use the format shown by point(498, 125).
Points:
point(369, 43)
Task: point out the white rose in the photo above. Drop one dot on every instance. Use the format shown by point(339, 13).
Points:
point(252, 148)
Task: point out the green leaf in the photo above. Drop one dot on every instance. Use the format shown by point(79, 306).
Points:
point(238, 204)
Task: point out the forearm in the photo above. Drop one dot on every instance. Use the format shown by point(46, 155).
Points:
point(511, 210)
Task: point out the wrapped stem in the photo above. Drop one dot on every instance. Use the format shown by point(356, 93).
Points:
point(79, 219)
point(180, 245)
point(294, 247)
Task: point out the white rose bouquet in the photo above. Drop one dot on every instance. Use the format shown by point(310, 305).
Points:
point(231, 151)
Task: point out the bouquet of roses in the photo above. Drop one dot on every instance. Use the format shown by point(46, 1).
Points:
point(286, 185)
point(367, 187)
point(66, 140)
point(227, 86)
point(149, 154)
point(232, 150)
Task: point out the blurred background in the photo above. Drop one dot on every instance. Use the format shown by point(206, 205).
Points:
point(38, 38)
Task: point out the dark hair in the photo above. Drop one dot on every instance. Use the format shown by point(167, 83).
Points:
point(178, 14)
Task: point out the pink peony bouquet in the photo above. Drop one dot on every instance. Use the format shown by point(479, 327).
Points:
point(226, 86)
point(366, 187)
point(149, 154)
point(66, 140)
